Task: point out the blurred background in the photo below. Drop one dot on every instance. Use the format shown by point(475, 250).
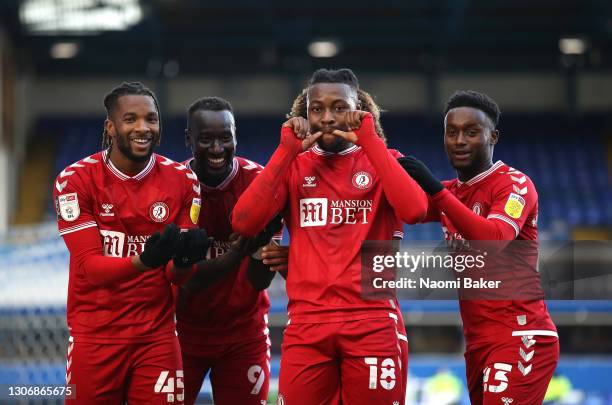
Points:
point(547, 63)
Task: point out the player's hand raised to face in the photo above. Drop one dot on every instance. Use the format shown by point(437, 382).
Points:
point(299, 125)
point(353, 121)
point(301, 130)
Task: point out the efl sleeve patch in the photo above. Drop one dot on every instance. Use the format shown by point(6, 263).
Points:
point(194, 212)
point(68, 206)
point(514, 205)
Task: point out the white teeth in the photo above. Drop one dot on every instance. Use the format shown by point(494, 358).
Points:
point(141, 140)
point(216, 161)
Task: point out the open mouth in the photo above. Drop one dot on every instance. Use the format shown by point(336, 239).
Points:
point(461, 155)
point(216, 163)
point(141, 143)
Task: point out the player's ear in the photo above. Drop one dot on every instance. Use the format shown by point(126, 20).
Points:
point(187, 138)
point(109, 127)
point(494, 137)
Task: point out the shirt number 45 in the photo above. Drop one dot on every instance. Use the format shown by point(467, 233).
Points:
point(387, 373)
point(166, 385)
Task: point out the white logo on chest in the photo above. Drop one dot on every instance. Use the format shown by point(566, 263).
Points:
point(159, 211)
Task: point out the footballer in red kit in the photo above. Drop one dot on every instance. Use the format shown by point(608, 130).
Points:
point(512, 344)
point(222, 313)
point(112, 207)
point(338, 347)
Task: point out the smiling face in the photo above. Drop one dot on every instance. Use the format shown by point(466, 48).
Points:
point(212, 138)
point(133, 126)
point(327, 105)
point(469, 137)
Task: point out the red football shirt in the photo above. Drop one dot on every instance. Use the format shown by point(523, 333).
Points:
point(501, 193)
point(93, 193)
point(334, 202)
point(231, 309)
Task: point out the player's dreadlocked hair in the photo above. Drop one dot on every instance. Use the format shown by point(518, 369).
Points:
point(480, 101)
point(110, 103)
point(346, 76)
point(209, 104)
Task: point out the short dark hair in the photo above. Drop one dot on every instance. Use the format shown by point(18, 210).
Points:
point(127, 89)
point(344, 75)
point(110, 104)
point(474, 99)
point(210, 104)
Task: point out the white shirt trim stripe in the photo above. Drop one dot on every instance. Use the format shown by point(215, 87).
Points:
point(482, 175)
point(316, 149)
point(78, 227)
point(535, 333)
point(402, 337)
point(123, 176)
point(227, 180)
point(506, 220)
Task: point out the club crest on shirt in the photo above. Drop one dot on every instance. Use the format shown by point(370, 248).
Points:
point(68, 206)
point(477, 208)
point(362, 180)
point(159, 211)
point(194, 212)
point(514, 205)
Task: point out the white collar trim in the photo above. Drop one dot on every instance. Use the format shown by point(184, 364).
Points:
point(124, 176)
point(316, 149)
point(482, 175)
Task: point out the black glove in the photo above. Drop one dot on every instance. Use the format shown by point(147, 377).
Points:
point(159, 248)
point(421, 174)
point(191, 248)
point(263, 238)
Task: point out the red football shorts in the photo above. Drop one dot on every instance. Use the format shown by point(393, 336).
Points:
point(403, 344)
point(515, 370)
point(355, 362)
point(239, 372)
point(139, 373)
